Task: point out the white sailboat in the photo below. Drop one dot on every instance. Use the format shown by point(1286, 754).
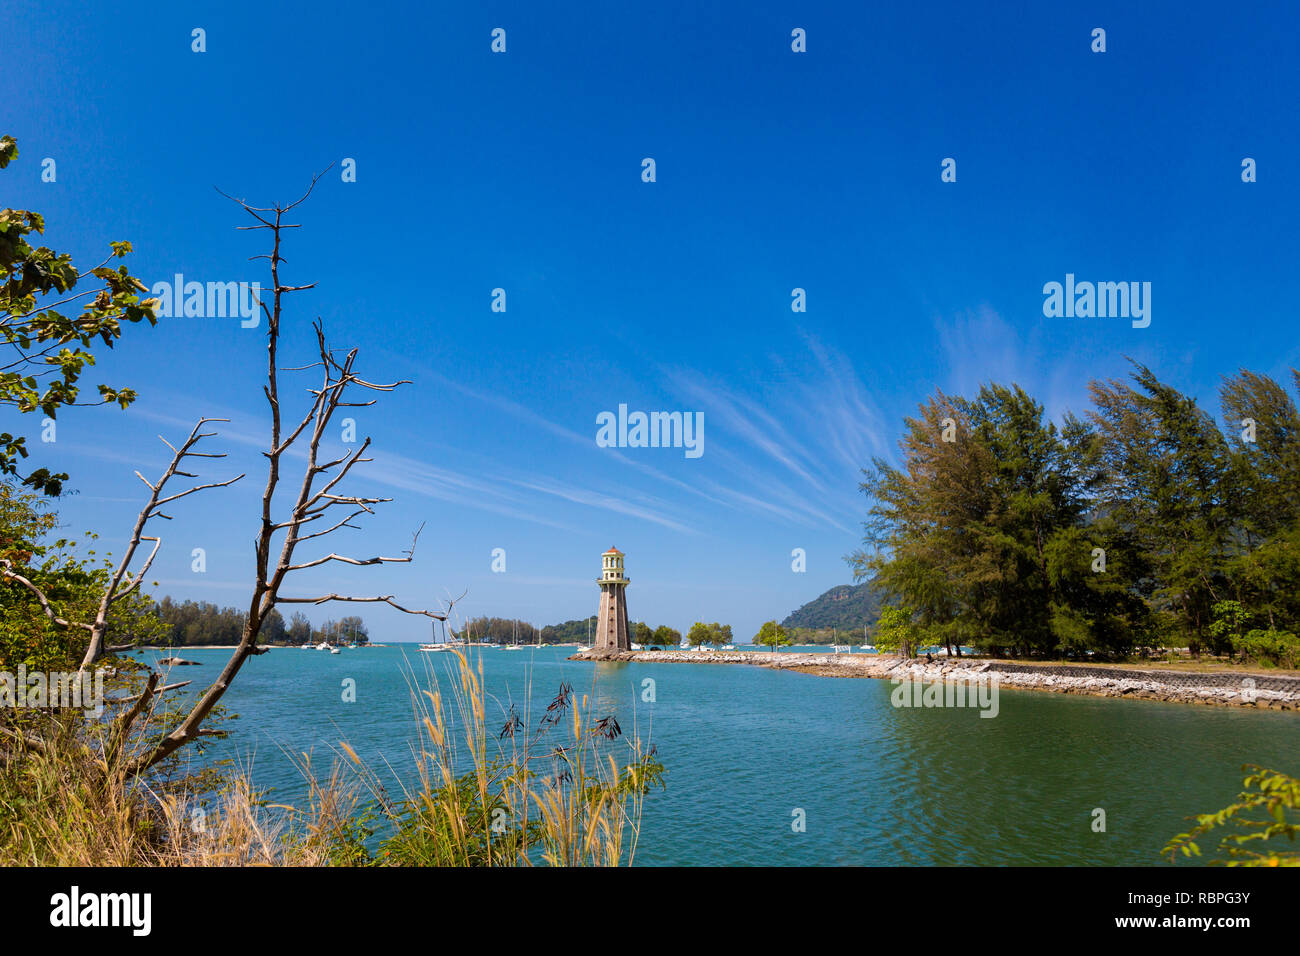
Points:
point(444, 644)
point(866, 648)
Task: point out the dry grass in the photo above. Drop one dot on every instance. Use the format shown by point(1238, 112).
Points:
point(556, 796)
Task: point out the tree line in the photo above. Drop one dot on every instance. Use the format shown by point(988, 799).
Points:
point(500, 630)
point(827, 635)
point(1141, 524)
point(505, 630)
point(195, 623)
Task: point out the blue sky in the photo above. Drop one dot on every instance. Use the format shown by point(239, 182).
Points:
point(522, 171)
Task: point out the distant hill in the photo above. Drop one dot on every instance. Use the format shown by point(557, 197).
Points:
point(846, 607)
point(570, 632)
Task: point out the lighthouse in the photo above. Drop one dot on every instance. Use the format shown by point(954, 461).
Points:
point(611, 624)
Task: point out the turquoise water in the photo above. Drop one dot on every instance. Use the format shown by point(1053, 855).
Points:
point(746, 746)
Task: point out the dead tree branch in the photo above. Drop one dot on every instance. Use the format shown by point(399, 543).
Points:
point(317, 487)
point(121, 581)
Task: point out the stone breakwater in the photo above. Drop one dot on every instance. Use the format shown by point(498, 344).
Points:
point(1259, 690)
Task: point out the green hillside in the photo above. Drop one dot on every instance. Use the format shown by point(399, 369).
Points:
point(847, 607)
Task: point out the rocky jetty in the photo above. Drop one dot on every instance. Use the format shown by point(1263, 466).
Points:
point(1228, 688)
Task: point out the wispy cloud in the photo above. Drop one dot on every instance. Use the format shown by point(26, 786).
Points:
point(814, 394)
point(598, 499)
point(471, 490)
point(747, 421)
point(853, 423)
point(393, 470)
point(829, 404)
point(587, 442)
point(981, 347)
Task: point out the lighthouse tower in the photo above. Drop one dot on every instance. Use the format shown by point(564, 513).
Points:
point(611, 625)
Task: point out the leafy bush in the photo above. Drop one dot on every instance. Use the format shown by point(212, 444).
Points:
point(1278, 796)
point(894, 629)
point(1281, 648)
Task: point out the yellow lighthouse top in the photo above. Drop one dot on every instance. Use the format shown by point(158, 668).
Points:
point(611, 571)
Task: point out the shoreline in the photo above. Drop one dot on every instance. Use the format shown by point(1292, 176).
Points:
point(1268, 692)
point(231, 647)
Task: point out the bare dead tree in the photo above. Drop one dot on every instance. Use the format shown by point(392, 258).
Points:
point(318, 492)
point(121, 581)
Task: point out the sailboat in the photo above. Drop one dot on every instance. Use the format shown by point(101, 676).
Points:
point(515, 646)
point(444, 644)
point(587, 646)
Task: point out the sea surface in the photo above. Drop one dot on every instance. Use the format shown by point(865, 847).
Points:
point(750, 751)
